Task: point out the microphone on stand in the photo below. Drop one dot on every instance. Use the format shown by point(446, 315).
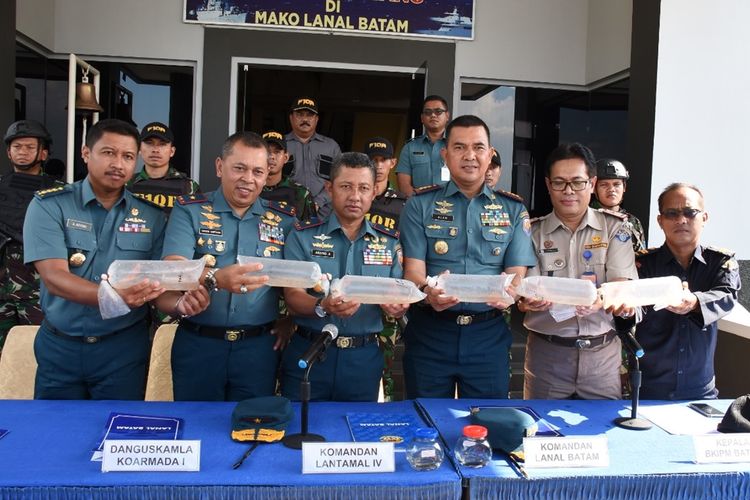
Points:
point(624, 327)
point(330, 332)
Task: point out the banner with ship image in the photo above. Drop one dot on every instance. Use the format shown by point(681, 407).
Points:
point(410, 18)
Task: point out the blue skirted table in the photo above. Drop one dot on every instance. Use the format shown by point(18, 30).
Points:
point(643, 464)
point(47, 454)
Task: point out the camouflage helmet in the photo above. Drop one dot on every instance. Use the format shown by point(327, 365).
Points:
point(28, 128)
point(608, 168)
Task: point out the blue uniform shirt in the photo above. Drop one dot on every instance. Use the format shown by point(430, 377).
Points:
point(679, 348)
point(375, 252)
point(206, 224)
point(481, 235)
point(64, 221)
point(421, 159)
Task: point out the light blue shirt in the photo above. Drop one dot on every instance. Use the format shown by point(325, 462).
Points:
point(69, 220)
point(420, 158)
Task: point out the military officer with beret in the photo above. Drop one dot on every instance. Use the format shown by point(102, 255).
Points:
point(27, 143)
point(227, 351)
point(344, 243)
point(462, 227)
point(72, 234)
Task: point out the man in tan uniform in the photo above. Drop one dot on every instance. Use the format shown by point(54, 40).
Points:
point(573, 352)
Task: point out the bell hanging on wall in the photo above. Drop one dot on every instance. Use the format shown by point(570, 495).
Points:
point(86, 97)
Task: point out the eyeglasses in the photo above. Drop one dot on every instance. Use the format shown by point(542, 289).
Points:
point(436, 111)
point(676, 213)
point(576, 185)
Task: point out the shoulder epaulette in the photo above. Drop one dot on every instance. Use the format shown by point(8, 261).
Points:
point(607, 211)
point(393, 233)
point(721, 250)
point(427, 189)
point(141, 198)
point(535, 220)
point(189, 199)
point(281, 206)
point(307, 224)
point(508, 194)
point(646, 251)
point(53, 191)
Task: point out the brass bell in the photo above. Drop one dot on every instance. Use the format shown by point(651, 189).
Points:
point(86, 97)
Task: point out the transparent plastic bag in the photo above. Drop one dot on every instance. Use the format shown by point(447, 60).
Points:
point(288, 273)
point(171, 274)
point(374, 290)
point(474, 287)
point(111, 305)
point(571, 291)
point(659, 292)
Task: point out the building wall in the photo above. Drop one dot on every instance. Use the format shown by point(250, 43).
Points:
point(36, 20)
point(701, 113)
point(609, 37)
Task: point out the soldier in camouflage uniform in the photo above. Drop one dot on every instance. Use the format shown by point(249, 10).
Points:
point(385, 210)
point(611, 184)
point(159, 182)
point(279, 186)
point(27, 143)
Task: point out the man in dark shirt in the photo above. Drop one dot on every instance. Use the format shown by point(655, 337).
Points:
point(680, 340)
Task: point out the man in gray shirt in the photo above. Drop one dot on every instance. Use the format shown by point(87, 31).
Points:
point(310, 153)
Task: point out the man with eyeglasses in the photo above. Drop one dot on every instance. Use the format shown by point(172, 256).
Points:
point(310, 154)
point(573, 351)
point(611, 184)
point(420, 163)
point(680, 340)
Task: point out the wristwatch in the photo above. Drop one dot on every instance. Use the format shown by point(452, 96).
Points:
point(209, 281)
point(319, 311)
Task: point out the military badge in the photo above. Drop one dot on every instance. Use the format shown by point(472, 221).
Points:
point(77, 259)
point(441, 247)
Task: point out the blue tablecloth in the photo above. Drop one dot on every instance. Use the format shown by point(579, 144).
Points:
point(48, 450)
point(643, 464)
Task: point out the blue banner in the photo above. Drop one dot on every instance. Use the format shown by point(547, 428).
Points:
point(423, 18)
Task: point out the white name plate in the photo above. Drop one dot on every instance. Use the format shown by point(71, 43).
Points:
point(132, 455)
point(567, 451)
point(347, 458)
point(722, 448)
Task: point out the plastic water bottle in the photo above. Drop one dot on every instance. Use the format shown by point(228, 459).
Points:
point(374, 290)
point(288, 273)
point(571, 291)
point(474, 287)
point(424, 452)
point(171, 274)
point(472, 448)
point(588, 273)
point(659, 292)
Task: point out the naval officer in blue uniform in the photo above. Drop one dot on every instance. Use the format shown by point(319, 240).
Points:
point(344, 243)
point(72, 234)
point(463, 227)
point(228, 350)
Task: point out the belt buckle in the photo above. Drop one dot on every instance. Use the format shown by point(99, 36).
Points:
point(91, 340)
point(583, 343)
point(464, 319)
point(232, 335)
point(343, 342)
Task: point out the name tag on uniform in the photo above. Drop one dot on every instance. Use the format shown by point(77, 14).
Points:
point(445, 174)
point(78, 224)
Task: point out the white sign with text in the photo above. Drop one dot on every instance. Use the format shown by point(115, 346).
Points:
point(338, 458)
point(151, 455)
point(722, 448)
point(566, 451)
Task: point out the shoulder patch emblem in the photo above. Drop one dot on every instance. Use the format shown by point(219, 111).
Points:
point(393, 233)
point(307, 224)
point(508, 194)
point(189, 199)
point(427, 189)
point(281, 206)
point(619, 215)
point(54, 191)
point(721, 250)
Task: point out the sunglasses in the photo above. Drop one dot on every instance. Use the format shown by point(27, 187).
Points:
point(676, 213)
point(436, 111)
